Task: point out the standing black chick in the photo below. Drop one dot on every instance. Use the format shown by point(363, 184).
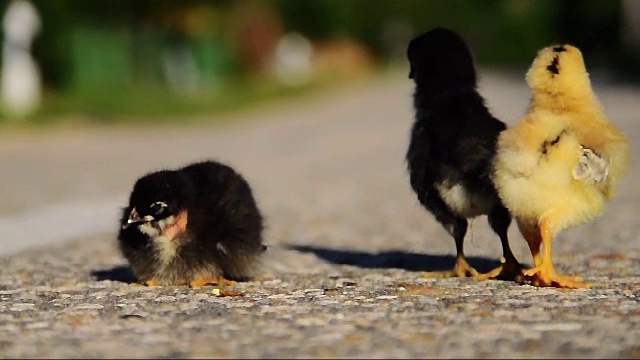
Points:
point(196, 225)
point(452, 145)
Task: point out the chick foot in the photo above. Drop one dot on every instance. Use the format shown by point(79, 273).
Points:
point(544, 275)
point(148, 283)
point(461, 269)
point(220, 281)
point(509, 270)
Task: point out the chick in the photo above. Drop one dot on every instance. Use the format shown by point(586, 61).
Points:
point(197, 225)
point(559, 165)
point(452, 145)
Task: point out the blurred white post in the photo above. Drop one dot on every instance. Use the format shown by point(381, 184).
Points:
point(20, 84)
point(292, 59)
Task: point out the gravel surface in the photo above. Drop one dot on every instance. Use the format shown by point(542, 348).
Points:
point(348, 244)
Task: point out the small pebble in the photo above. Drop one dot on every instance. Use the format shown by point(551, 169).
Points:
point(38, 325)
point(556, 327)
point(22, 306)
point(89, 307)
point(165, 298)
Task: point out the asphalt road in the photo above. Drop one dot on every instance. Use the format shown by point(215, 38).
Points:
point(348, 242)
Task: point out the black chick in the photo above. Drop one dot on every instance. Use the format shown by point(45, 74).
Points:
point(452, 145)
point(197, 225)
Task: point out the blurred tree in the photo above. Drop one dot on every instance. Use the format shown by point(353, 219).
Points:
point(593, 26)
point(318, 19)
point(98, 48)
point(256, 30)
point(499, 30)
point(51, 47)
point(140, 28)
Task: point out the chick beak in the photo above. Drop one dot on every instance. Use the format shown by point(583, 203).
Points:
point(134, 218)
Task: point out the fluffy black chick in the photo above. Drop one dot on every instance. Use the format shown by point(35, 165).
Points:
point(453, 142)
point(196, 225)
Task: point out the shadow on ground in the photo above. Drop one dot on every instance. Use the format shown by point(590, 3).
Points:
point(393, 259)
point(382, 260)
point(117, 273)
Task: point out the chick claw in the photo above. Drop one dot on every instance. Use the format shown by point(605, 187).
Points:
point(542, 276)
point(509, 270)
point(461, 269)
point(214, 281)
point(151, 283)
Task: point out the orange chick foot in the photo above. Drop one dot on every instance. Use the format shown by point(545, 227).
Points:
point(509, 270)
point(151, 283)
point(461, 269)
point(542, 276)
point(213, 281)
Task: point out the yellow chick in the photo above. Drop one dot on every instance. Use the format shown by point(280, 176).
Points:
point(557, 167)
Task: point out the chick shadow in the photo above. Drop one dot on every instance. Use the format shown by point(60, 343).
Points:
point(393, 259)
point(118, 273)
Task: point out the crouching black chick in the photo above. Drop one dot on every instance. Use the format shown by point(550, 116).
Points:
point(197, 225)
point(452, 145)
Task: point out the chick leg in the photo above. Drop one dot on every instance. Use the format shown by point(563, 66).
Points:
point(461, 267)
point(220, 281)
point(499, 219)
point(534, 240)
point(457, 227)
point(545, 273)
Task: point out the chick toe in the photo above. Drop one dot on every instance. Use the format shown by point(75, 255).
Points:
point(547, 276)
point(461, 269)
point(151, 283)
point(510, 269)
point(220, 281)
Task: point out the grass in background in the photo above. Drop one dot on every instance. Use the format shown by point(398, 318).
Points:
point(160, 105)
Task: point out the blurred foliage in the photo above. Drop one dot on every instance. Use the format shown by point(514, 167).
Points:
point(112, 56)
point(500, 31)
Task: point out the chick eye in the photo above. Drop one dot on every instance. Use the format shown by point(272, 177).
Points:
point(157, 207)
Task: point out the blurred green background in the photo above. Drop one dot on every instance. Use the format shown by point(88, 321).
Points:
point(109, 60)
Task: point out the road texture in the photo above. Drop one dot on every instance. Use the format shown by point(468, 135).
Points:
point(348, 242)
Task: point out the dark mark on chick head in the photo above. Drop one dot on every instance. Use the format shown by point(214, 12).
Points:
point(553, 67)
point(559, 49)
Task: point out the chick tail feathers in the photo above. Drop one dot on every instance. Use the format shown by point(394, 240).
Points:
point(618, 150)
